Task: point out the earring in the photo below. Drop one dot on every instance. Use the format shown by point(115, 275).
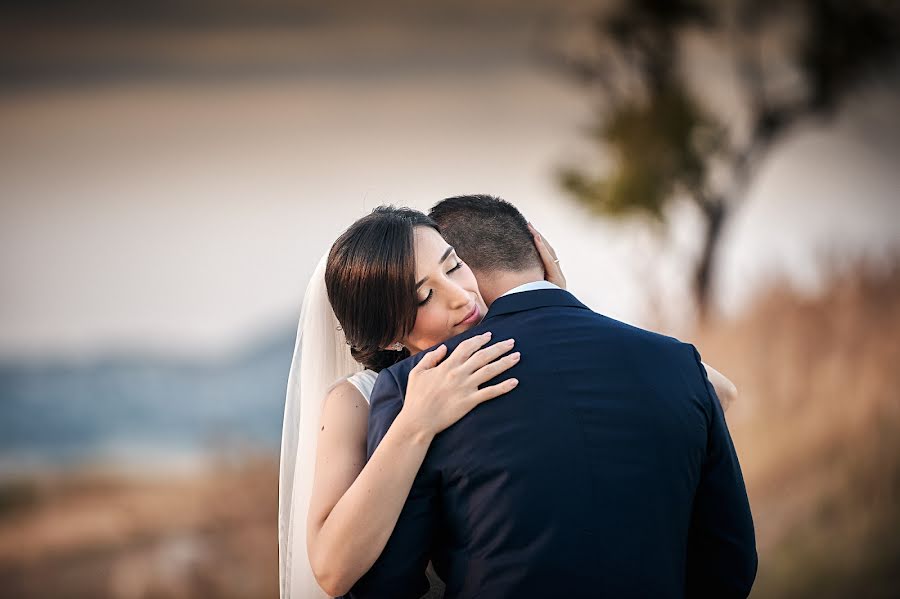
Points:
point(396, 347)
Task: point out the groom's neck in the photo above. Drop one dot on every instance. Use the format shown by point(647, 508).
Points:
point(495, 283)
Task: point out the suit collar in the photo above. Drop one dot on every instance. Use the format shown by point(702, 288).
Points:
point(529, 300)
point(533, 286)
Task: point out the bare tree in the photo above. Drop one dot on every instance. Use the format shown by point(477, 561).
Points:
point(792, 60)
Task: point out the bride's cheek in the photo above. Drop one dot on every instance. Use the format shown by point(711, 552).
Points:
point(424, 323)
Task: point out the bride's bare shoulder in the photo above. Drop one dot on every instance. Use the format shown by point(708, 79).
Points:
point(345, 407)
point(346, 394)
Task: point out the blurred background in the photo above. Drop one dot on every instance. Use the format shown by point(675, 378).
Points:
point(171, 172)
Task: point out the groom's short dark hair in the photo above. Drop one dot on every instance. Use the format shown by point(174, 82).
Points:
point(489, 233)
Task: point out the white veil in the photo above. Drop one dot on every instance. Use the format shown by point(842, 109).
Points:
point(321, 358)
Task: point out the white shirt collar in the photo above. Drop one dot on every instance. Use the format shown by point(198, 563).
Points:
point(534, 285)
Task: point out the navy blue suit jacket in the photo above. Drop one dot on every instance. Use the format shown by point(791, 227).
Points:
point(608, 472)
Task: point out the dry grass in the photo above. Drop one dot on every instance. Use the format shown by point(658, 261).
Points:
point(817, 428)
point(96, 535)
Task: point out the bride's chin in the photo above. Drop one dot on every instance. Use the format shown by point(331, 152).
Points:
point(463, 327)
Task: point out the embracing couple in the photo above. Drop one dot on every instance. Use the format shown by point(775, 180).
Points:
point(459, 425)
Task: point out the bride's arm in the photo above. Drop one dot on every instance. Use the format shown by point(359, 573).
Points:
point(355, 505)
point(725, 389)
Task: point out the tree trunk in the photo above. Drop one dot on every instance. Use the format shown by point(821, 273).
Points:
point(714, 212)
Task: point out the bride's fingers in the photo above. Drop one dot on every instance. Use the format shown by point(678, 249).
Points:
point(488, 354)
point(468, 347)
point(548, 258)
point(494, 391)
point(543, 240)
point(432, 358)
point(496, 368)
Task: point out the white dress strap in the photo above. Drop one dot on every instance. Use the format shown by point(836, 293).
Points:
point(364, 381)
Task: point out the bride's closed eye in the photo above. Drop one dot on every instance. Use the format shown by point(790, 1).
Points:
point(459, 264)
point(457, 267)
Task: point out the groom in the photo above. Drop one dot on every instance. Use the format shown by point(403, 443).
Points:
point(608, 472)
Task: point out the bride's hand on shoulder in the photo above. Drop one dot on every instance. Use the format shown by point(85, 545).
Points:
point(552, 271)
point(441, 391)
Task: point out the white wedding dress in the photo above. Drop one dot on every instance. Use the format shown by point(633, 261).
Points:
point(364, 381)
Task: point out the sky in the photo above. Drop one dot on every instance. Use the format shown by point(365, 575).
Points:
point(184, 215)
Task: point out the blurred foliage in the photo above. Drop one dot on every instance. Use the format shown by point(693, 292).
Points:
point(656, 156)
point(666, 144)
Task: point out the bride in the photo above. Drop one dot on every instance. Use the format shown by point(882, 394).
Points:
point(364, 311)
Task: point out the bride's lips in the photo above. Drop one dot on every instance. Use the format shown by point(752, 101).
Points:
point(471, 318)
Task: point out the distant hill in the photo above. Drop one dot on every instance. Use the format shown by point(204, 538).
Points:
point(133, 409)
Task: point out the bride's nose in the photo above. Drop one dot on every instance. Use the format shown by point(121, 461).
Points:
point(458, 297)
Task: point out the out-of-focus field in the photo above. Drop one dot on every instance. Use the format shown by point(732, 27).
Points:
point(101, 535)
point(817, 428)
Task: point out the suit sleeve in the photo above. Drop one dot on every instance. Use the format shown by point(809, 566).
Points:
point(384, 405)
point(722, 557)
point(400, 569)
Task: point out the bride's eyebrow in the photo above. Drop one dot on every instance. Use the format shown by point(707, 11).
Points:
point(447, 252)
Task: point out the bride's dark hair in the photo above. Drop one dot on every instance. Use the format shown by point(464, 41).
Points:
point(371, 282)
